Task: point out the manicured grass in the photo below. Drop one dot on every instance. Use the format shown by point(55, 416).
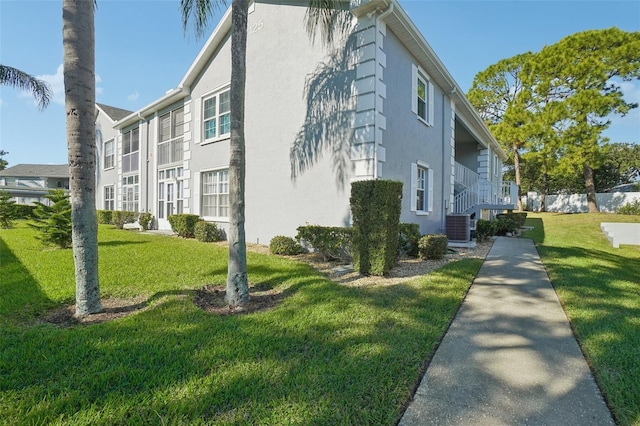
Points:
point(328, 354)
point(599, 287)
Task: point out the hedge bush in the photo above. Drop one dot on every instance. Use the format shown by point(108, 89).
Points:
point(105, 217)
point(485, 229)
point(375, 208)
point(506, 223)
point(184, 224)
point(145, 219)
point(120, 217)
point(207, 232)
point(630, 208)
point(281, 244)
point(433, 246)
point(331, 242)
point(408, 238)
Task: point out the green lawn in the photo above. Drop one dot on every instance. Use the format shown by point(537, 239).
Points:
point(328, 354)
point(599, 287)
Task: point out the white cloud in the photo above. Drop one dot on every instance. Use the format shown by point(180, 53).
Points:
point(134, 96)
point(56, 82)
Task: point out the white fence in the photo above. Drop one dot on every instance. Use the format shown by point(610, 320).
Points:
point(577, 203)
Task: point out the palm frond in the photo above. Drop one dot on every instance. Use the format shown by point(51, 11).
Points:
point(14, 77)
point(329, 17)
point(199, 13)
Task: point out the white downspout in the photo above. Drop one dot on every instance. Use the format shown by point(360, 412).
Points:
point(377, 21)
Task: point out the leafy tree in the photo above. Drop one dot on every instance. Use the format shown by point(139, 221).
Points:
point(574, 82)
point(21, 80)
point(78, 38)
point(53, 219)
point(3, 163)
point(621, 165)
point(7, 210)
point(332, 20)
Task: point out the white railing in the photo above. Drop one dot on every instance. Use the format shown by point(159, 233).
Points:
point(465, 176)
point(485, 192)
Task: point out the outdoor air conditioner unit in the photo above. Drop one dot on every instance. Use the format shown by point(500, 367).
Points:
point(458, 227)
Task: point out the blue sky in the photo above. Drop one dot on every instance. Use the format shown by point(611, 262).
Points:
point(141, 52)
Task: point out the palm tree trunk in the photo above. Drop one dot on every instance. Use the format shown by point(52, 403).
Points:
point(590, 185)
point(237, 280)
point(79, 82)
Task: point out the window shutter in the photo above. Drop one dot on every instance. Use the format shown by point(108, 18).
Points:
point(430, 189)
point(414, 181)
point(414, 89)
point(431, 110)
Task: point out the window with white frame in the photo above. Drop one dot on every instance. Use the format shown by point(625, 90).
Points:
point(109, 198)
point(216, 116)
point(421, 188)
point(215, 194)
point(130, 150)
point(170, 147)
point(130, 193)
point(109, 154)
point(170, 192)
point(422, 96)
point(496, 165)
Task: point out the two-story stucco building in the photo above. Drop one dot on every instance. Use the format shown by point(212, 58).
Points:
point(377, 105)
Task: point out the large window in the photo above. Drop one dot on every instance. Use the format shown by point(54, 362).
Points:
point(170, 147)
point(421, 188)
point(422, 96)
point(215, 194)
point(109, 198)
point(170, 192)
point(130, 193)
point(216, 116)
point(130, 150)
point(109, 155)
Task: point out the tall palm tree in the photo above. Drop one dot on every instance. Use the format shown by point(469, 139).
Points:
point(330, 18)
point(14, 77)
point(78, 39)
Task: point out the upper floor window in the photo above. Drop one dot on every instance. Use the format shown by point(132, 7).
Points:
point(130, 150)
point(170, 146)
point(216, 116)
point(422, 96)
point(109, 156)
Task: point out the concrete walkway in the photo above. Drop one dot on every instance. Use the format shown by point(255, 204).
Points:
point(509, 357)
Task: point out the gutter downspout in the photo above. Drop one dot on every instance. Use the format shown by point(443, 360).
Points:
point(446, 204)
point(146, 170)
point(378, 19)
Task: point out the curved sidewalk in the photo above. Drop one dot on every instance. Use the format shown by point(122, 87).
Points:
point(509, 356)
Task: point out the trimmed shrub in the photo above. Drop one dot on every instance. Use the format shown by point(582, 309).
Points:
point(184, 224)
point(145, 219)
point(375, 207)
point(433, 246)
point(207, 232)
point(7, 210)
point(408, 238)
point(105, 217)
point(120, 217)
point(520, 218)
point(630, 208)
point(505, 224)
point(284, 245)
point(485, 229)
point(53, 222)
point(331, 242)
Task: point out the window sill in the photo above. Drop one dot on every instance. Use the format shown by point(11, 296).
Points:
point(423, 121)
point(422, 213)
point(220, 139)
point(109, 168)
point(215, 219)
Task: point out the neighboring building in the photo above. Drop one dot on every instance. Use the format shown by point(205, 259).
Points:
point(28, 183)
point(379, 105)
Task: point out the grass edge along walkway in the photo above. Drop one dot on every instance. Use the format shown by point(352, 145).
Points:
point(327, 355)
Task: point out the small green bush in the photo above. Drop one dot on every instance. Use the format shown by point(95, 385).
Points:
point(105, 217)
point(485, 229)
point(331, 242)
point(207, 232)
point(145, 219)
point(408, 238)
point(506, 224)
point(120, 217)
point(184, 224)
point(53, 222)
point(630, 208)
point(7, 210)
point(520, 218)
point(284, 245)
point(433, 246)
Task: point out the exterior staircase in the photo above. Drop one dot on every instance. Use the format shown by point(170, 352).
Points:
point(473, 194)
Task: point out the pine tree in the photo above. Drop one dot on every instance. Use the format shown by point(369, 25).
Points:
point(7, 210)
point(53, 221)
